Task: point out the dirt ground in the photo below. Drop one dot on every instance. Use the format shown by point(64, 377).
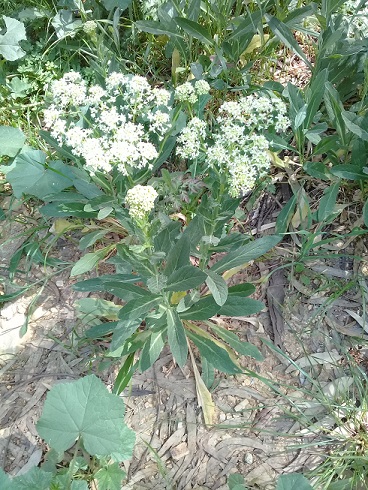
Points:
point(253, 434)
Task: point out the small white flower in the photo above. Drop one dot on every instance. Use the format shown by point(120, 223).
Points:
point(191, 138)
point(202, 87)
point(140, 200)
point(186, 93)
point(89, 26)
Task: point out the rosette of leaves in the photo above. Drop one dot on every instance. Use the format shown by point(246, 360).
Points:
point(171, 290)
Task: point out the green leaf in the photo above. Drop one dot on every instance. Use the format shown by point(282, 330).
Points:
point(243, 348)
point(112, 4)
point(204, 309)
point(349, 172)
point(354, 124)
point(125, 291)
point(5, 481)
point(294, 481)
point(365, 213)
point(217, 286)
point(99, 331)
point(138, 264)
point(84, 409)
point(314, 96)
point(285, 215)
point(32, 176)
point(11, 140)
point(156, 27)
point(328, 201)
point(186, 277)
point(246, 253)
point(65, 23)
point(208, 373)
point(179, 255)
point(283, 32)
point(138, 308)
point(195, 30)
point(91, 238)
point(110, 477)
point(235, 479)
point(243, 289)
point(240, 306)
point(125, 375)
point(214, 354)
point(34, 479)
point(9, 41)
point(176, 337)
point(151, 350)
point(122, 332)
point(87, 262)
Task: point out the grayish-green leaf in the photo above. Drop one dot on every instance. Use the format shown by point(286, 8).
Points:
point(155, 27)
point(112, 4)
point(34, 479)
point(217, 286)
point(151, 350)
point(138, 308)
point(204, 309)
point(86, 263)
point(294, 481)
point(11, 140)
point(9, 40)
point(186, 277)
point(32, 176)
point(244, 254)
point(243, 348)
point(110, 477)
point(240, 306)
point(179, 255)
point(195, 30)
point(214, 354)
point(328, 202)
point(83, 409)
point(65, 23)
point(176, 336)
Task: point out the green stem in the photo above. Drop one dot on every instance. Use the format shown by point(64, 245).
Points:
point(72, 464)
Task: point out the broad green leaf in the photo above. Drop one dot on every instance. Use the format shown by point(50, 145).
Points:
point(214, 353)
point(314, 96)
point(112, 4)
point(97, 283)
point(244, 254)
point(79, 485)
point(32, 176)
point(138, 264)
point(187, 277)
point(317, 170)
point(354, 124)
point(235, 480)
point(328, 202)
point(65, 23)
point(156, 284)
point(243, 348)
point(195, 30)
point(294, 481)
point(93, 308)
point(110, 477)
point(5, 481)
point(335, 109)
point(11, 140)
point(99, 331)
point(84, 409)
point(178, 256)
point(176, 337)
point(122, 332)
point(91, 238)
point(243, 289)
point(125, 291)
point(208, 373)
point(87, 262)
point(151, 350)
point(285, 215)
point(9, 40)
point(282, 31)
point(156, 27)
point(349, 172)
point(138, 308)
point(240, 306)
point(217, 286)
point(204, 309)
point(34, 479)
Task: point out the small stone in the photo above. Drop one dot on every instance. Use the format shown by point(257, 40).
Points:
point(248, 458)
point(222, 417)
point(60, 283)
point(241, 406)
point(179, 451)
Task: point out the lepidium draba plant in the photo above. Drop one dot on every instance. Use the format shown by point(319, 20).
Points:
point(169, 273)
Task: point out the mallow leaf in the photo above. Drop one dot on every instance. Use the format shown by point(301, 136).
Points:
point(9, 41)
point(85, 409)
point(11, 140)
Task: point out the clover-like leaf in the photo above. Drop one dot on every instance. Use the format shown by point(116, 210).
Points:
point(9, 41)
point(84, 409)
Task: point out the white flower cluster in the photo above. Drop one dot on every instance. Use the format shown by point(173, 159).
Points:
point(357, 14)
point(109, 127)
point(140, 200)
point(191, 138)
point(238, 148)
point(190, 93)
point(89, 26)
